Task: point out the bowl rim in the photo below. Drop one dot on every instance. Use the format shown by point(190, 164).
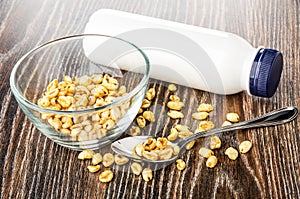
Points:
point(20, 98)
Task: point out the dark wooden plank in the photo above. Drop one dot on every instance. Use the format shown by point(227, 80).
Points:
point(32, 166)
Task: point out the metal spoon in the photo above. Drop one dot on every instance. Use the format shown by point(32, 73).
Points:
point(126, 145)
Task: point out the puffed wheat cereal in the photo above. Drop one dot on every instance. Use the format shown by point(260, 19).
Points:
point(141, 121)
point(86, 154)
point(180, 127)
point(205, 108)
point(150, 94)
point(175, 114)
point(83, 93)
point(150, 144)
point(135, 131)
point(232, 153)
point(147, 174)
point(174, 98)
point(172, 87)
point(173, 134)
point(161, 143)
point(205, 152)
point(108, 159)
point(200, 115)
point(180, 164)
point(245, 146)
point(166, 153)
point(155, 149)
point(97, 158)
point(140, 111)
point(206, 125)
point(136, 168)
point(176, 150)
point(190, 145)
point(215, 142)
point(94, 169)
point(146, 103)
point(184, 134)
point(151, 155)
point(226, 123)
point(106, 176)
point(120, 160)
point(211, 161)
point(177, 105)
point(232, 117)
point(148, 115)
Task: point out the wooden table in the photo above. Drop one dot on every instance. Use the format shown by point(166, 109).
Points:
point(32, 166)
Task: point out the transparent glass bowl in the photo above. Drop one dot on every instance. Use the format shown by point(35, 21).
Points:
point(77, 56)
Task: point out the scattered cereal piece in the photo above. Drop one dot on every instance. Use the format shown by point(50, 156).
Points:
point(205, 107)
point(93, 169)
point(205, 152)
point(146, 103)
point(175, 114)
point(190, 145)
point(180, 127)
point(206, 125)
point(149, 115)
point(215, 142)
point(173, 134)
point(232, 153)
point(245, 146)
point(141, 121)
point(232, 117)
point(200, 115)
point(86, 154)
point(97, 158)
point(135, 131)
point(172, 87)
point(180, 164)
point(211, 161)
point(106, 176)
point(174, 98)
point(177, 105)
point(150, 94)
point(108, 159)
point(147, 174)
point(120, 160)
point(136, 168)
point(226, 123)
point(184, 134)
point(140, 111)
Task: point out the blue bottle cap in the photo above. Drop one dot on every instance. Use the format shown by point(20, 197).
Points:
point(265, 72)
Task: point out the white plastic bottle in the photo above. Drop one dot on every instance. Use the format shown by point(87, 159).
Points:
point(210, 60)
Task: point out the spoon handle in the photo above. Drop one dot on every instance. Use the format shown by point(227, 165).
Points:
point(276, 117)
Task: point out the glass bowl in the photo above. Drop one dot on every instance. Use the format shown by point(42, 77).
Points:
point(81, 91)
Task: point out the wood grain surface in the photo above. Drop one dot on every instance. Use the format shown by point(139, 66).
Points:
point(33, 166)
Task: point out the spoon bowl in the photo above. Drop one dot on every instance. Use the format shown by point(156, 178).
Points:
point(126, 145)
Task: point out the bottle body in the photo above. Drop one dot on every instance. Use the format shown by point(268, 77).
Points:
point(221, 61)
